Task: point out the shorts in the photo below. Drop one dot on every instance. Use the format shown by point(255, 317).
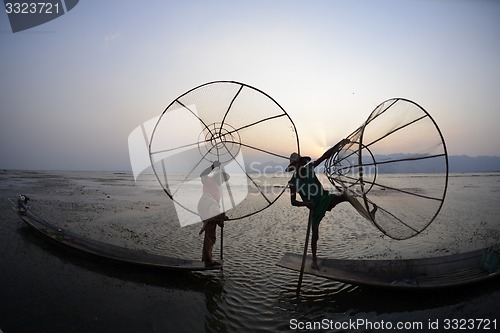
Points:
point(324, 204)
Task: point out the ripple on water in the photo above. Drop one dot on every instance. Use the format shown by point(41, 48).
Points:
point(252, 293)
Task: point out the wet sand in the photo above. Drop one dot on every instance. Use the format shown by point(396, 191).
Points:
point(45, 288)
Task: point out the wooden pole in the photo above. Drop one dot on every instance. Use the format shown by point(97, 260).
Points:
point(309, 223)
point(228, 188)
point(222, 242)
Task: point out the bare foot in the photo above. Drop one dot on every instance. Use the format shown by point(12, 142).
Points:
point(314, 265)
point(212, 263)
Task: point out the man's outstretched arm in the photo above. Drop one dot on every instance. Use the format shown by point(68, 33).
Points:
point(214, 165)
point(330, 152)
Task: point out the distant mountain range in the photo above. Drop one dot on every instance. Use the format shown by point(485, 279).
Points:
point(463, 163)
point(456, 163)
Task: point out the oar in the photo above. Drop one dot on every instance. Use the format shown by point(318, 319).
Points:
point(309, 222)
point(222, 242)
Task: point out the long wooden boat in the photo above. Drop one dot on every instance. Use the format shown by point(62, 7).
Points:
point(105, 250)
point(436, 272)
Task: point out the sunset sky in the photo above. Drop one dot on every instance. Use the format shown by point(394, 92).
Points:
point(73, 89)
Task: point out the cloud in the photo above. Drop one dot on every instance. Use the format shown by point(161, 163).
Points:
point(110, 38)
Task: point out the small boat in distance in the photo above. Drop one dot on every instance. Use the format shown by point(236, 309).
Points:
point(424, 273)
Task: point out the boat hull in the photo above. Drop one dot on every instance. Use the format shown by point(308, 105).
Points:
point(437, 272)
point(105, 250)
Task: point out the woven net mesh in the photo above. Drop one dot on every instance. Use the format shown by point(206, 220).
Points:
point(235, 124)
point(397, 162)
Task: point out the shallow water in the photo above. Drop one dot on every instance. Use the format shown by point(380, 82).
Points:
point(45, 288)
